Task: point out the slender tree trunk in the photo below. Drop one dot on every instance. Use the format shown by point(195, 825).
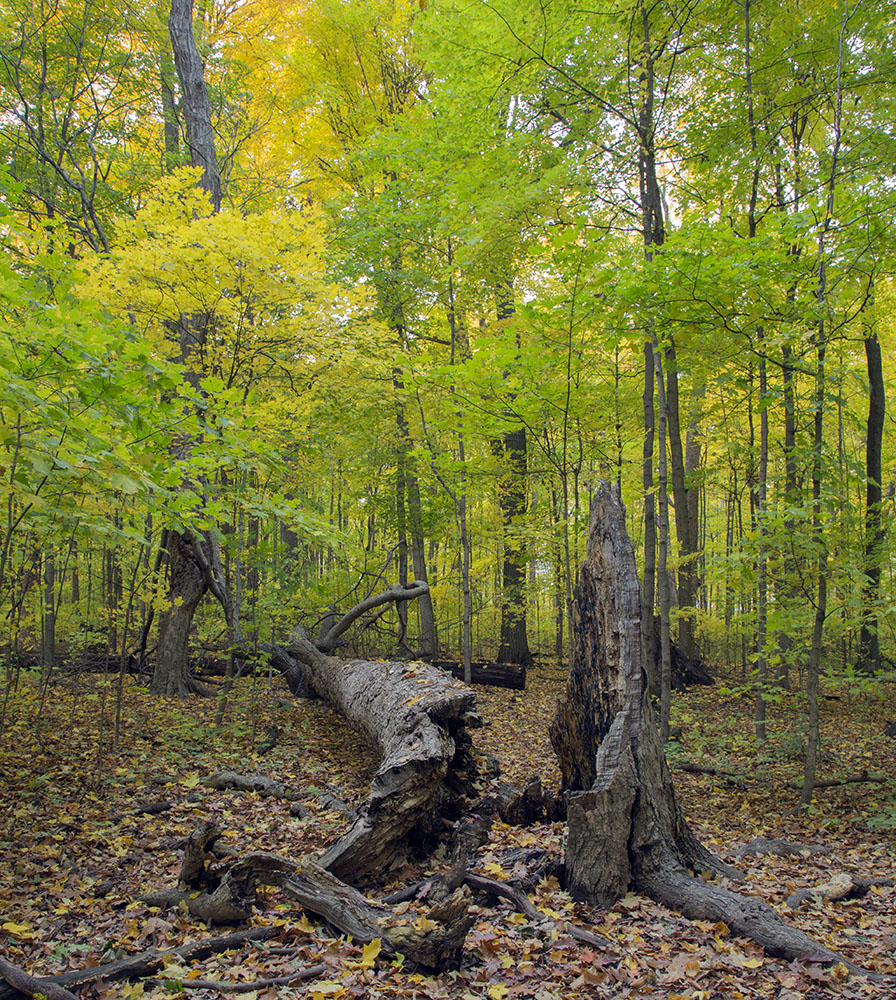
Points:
point(428, 640)
point(648, 591)
point(684, 524)
point(48, 624)
point(762, 567)
point(869, 642)
point(512, 490)
point(662, 561)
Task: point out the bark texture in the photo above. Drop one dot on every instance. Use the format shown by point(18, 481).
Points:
point(196, 108)
point(626, 829)
point(419, 719)
point(186, 589)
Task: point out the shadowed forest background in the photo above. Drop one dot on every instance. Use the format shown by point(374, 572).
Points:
point(315, 305)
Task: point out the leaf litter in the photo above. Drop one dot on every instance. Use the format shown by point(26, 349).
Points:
point(77, 848)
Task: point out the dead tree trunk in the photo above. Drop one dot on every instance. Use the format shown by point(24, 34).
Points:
point(419, 719)
point(626, 829)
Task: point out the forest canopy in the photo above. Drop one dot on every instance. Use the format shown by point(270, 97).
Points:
point(309, 300)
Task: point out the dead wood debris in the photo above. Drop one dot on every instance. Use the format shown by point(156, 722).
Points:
point(782, 848)
point(250, 783)
point(139, 966)
point(842, 886)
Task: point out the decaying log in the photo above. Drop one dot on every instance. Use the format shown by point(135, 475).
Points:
point(222, 986)
point(843, 886)
point(146, 963)
point(626, 829)
point(419, 719)
point(31, 986)
point(506, 675)
point(219, 893)
point(435, 940)
point(513, 804)
point(225, 891)
point(250, 783)
point(853, 779)
point(782, 848)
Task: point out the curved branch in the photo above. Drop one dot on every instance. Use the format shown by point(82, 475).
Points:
point(400, 592)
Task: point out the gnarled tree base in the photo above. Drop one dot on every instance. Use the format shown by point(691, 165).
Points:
point(626, 829)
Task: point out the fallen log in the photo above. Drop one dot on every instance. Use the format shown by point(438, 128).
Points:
point(224, 892)
point(266, 787)
point(139, 966)
point(420, 721)
point(626, 829)
point(30, 986)
point(435, 940)
point(843, 886)
point(506, 675)
point(760, 846)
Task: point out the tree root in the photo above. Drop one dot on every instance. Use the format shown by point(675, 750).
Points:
point(747, 916)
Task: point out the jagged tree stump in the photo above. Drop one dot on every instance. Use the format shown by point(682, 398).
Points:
point(626, 829)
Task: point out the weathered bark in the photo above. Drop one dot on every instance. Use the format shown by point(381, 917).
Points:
point(197, 113)
point(419, 719)
point(186, 588)
point(225, 892)
point(436, 942)
point(626, 829)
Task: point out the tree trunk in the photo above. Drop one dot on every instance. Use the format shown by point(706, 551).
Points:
point(512, 446)
point(419, 719)
point(189, 575)
point(869, 643)
point(626, 829)
point(187, 586)
point(197, 112)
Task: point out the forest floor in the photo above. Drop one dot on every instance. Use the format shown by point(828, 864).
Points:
point(76, 850)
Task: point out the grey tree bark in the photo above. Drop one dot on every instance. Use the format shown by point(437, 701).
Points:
point(626, 829)
point(419, 718)
point(194, 563)
point(197, 112)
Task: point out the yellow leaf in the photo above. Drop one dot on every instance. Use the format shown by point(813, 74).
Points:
point(498, 991)
point(305, 925)
point(692, 968)
point(328, 988)
point(494, 868)
point(22, 932)
point(370, 953)
point(425, 924)
point(751, 963)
